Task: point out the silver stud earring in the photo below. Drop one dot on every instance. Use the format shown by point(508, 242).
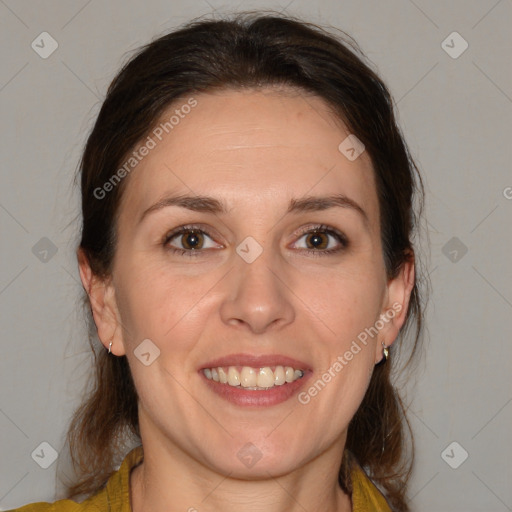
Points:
point(110, 346)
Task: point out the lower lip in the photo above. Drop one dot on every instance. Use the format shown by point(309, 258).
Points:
point(256, 398)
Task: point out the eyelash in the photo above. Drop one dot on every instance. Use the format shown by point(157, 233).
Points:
point(320, 228)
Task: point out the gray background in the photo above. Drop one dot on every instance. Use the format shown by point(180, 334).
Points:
point(456, 115)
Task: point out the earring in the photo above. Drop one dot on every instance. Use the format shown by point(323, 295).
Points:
point(385, 350)
point(110, 345)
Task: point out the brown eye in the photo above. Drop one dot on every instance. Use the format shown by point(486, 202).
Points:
point(192, 240)
point(189, 240)
point(317, 240)
point(323, 240)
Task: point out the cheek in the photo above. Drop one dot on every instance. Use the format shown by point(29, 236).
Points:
point(164, 306)
point(344, 302)
point(344, 311)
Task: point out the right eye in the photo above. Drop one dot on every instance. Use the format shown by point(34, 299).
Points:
point(190, 240)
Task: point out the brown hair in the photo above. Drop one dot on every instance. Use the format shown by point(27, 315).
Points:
point(248, 50)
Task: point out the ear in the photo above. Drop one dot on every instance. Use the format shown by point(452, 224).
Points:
point(395, 305)
point(102, 299)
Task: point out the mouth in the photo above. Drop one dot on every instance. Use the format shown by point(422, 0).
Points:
point(255, 380)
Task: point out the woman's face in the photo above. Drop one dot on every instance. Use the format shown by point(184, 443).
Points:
point(251, 287)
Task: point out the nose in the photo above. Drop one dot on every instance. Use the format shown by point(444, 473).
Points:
point(258, 297)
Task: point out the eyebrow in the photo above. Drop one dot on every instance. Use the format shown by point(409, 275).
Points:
point(207, 204)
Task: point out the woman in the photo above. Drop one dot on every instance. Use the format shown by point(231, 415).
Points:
point(247, 257)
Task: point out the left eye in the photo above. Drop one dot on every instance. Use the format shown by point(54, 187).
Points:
point(322, 240)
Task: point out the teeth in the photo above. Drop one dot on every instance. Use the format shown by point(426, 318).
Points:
point(248, 377)
point(223, 378)
point(253, 378)
point(280, 376)
point(233, 377)
point(265, 378)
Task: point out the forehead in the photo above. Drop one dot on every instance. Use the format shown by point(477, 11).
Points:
point(254, 149)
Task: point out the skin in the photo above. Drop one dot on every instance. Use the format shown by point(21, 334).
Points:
point(255, 150)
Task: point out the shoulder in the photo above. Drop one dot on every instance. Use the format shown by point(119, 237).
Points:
point(60, 506)
point(98, 502)
point(366, 497)
point(115, 496)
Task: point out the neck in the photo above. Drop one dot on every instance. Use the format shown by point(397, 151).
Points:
point(164, 481)
point(282, 494)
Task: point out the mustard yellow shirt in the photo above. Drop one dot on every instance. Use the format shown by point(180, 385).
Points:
point(115, 496)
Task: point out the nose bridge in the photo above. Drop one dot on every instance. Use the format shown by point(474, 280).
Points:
point(258, 296)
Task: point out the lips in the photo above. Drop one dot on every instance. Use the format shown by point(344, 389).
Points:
point(218, 374)
point(256, 361)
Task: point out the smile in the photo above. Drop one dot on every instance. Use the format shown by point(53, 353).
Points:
point(253, 379)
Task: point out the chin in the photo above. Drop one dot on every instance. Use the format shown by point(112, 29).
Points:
point(256, 460)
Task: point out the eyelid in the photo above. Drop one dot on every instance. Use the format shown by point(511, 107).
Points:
point(189, 227)
point(321, 227)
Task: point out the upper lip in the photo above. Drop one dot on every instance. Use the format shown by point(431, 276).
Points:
point(256, 361)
